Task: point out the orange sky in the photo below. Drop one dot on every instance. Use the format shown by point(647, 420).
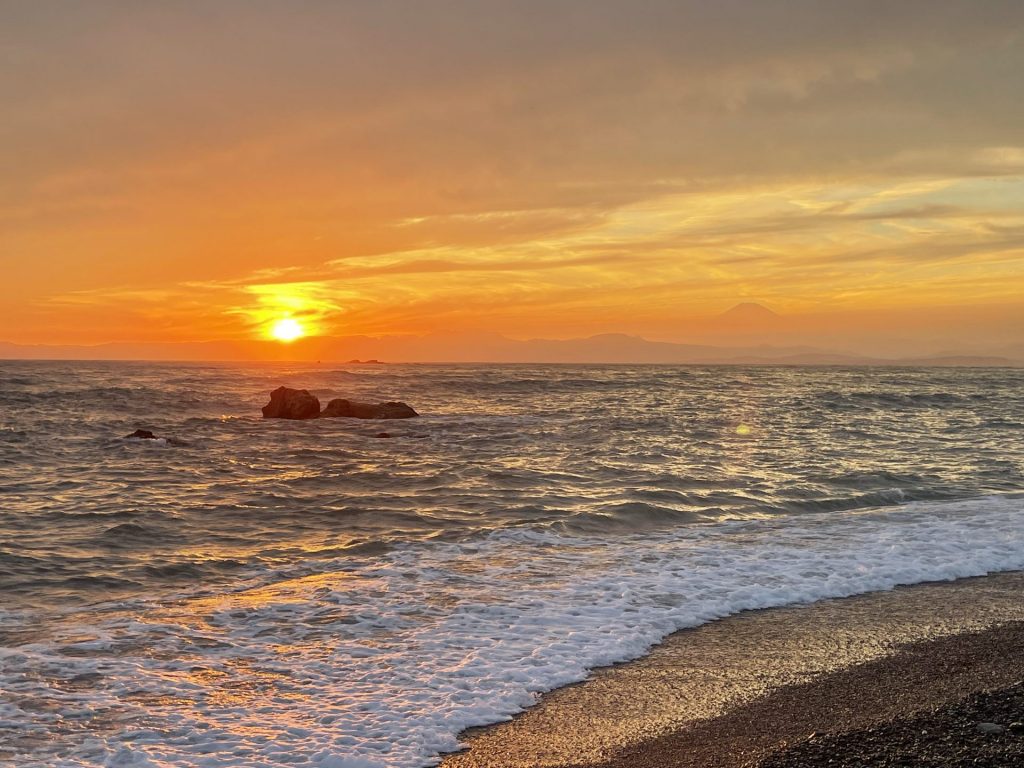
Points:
point(195, 171)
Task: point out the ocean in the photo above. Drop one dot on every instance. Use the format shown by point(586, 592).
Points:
point(250, 592)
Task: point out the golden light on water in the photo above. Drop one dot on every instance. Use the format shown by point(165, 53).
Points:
point(744, 429)
point(287, 329)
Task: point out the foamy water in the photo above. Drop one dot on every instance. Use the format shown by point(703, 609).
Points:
point(306, 594)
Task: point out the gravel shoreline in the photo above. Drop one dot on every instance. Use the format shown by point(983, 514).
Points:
point(866, 715)
point(985, 729)
point(838, 683)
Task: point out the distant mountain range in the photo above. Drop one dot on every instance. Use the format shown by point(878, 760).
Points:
point(734, 337)
point(485, 347)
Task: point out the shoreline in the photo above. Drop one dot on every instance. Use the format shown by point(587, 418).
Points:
point(843, 707)
point(983, 728)
point(732, 692)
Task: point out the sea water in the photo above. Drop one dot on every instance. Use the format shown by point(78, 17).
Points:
point(249, 592)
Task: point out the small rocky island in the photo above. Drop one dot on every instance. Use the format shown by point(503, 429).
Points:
point(288, 403)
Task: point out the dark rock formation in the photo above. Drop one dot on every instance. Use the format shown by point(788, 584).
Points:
point(353, 409)
point(141, 434)
point(287, 403)
point(145, 434)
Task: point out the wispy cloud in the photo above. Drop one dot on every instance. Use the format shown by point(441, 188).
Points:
point(608, 169)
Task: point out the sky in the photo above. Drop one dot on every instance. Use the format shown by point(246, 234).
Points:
point(197, 171)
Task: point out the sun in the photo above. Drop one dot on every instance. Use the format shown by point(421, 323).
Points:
point(287, 329)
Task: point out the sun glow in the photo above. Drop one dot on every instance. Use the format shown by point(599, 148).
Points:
point(287, 329)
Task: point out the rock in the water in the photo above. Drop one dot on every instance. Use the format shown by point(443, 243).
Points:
point(382, 434)
point(287, 403)
point(145, 434)
point(141, 434)
point(339, 407)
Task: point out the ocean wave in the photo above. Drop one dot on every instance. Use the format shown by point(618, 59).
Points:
point(384, 661)
point(551, 518)
point(175, 570)
point(630, 517)
point(861, 501)
point(96, 582)
point(127, 530)
point(884, 399)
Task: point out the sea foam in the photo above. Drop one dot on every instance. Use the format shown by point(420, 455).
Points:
point(382, 663)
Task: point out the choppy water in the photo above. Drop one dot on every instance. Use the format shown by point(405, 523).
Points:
point(305, 593)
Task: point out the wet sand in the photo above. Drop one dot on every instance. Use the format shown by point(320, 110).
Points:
point(736, 691)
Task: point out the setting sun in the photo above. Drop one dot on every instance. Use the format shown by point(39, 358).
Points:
point(287, 329)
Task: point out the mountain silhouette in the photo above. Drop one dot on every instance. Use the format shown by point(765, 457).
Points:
point(749, 312)
point(603, 348)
